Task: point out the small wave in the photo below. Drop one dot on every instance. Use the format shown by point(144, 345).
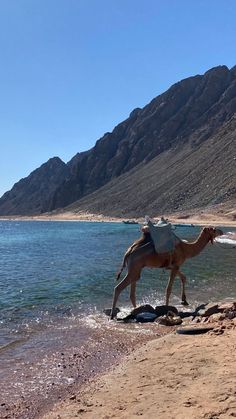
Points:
point(92, 321)
point(11, 344)
point(228, 238)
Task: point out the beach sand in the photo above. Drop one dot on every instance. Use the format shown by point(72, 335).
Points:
point(177, 376)
point(223, 214)
point(217, 217)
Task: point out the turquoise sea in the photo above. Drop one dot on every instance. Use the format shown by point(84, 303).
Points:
point(57, 277)
point(50, 269)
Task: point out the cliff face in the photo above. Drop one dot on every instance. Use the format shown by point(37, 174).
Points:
point(185, 117)
point(183, 178)
point(32, 194)
point(199, 105)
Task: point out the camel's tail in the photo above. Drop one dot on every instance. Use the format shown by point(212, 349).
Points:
point(121, 269)
point(124, 263)
point(137, 244)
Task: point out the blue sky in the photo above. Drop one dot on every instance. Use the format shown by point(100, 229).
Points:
point(73, 69)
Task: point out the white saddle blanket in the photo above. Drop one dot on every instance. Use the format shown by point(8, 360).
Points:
point(163, 237)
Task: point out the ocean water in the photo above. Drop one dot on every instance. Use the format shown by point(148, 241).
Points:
point(57, 277)
point(55, 270)
point(50, 271)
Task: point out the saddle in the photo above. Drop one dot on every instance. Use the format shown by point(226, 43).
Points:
point(163, 237)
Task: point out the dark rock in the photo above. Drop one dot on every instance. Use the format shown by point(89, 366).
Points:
point(146, 313)
point(170, 319)
point(196, 320)
point(185, 314)
point(107, 311)
point(194, 330)
point(162, 310)
point(146, 317)
point(216, 317)
point(202, 306)
point(230, 314)
point(208, 310)
point(227, 306)
point(147, 308)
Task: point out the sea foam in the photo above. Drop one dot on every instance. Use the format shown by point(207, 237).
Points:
point(228, 238)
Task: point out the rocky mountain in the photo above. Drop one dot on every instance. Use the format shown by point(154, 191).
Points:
point(181, 179)
point(176, 152)
point(32, 195)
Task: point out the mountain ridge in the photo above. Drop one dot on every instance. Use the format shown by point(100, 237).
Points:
point(188, 114)
point(171, 182)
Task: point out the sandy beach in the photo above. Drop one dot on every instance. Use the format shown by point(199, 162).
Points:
point(215, 217)
point(174, 377)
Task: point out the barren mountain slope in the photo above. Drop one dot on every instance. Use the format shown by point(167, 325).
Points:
point(32, 195)
point(192, 108)
point(182, 178)
point(153, 143)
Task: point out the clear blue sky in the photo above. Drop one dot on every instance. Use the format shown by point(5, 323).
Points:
point(73, 69)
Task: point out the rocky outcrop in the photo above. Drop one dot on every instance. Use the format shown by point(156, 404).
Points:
point(220, 315)
point(174, 126)
point(32, 194)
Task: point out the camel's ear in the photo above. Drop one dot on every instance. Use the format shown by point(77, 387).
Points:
point(213, 231)
point(210, 230)
point(206, 229)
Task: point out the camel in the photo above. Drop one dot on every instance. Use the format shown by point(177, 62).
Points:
point(142, 254)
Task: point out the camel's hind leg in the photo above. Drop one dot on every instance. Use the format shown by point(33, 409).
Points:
point(128, 279)
point(133, 293)
point(173, 274)
point(183, 282)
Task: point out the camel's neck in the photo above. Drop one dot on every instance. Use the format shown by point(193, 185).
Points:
point(193, 249)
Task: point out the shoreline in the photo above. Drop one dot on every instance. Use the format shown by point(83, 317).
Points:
point(70, 367)
point(87, 401)
point(197, 219)
point(173, 377)
point(158, 373)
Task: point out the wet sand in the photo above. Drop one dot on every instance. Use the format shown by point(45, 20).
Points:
point(175, 377)
point(56, 364)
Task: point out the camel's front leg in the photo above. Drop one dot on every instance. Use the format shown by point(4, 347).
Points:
point(183, 282)
point(173, 274)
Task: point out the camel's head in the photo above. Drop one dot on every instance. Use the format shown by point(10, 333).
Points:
point(212, 233)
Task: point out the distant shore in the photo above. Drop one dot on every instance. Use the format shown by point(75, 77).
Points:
point(197, 218)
